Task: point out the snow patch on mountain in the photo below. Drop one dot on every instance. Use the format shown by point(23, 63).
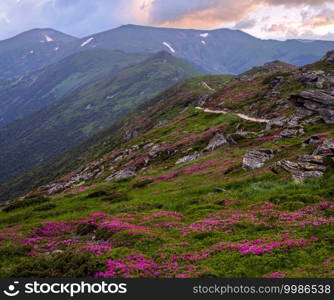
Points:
point(169, 47)
point(87, 42)
point(56, 48)
point(48, 38)
point(203, 42)
point(204, 35)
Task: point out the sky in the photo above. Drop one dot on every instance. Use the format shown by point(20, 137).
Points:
point(266, 19)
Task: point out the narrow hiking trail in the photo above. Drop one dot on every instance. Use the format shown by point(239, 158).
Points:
point(242, 116)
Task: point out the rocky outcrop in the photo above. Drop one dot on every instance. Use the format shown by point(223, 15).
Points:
point(217, 141)
point(130, 134)
point(123, 174)
point(319, 101)
point(329, 58)
point(325, 148)
point(189, 158)
point(314, 79)
point(289, 133)
point(255, 159)
point(308, 166)
point(92, 171)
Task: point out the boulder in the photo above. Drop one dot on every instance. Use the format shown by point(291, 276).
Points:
point(255, 159)
point(319, 101)
point(217, 141)
point(189, 158)
point(155, 151)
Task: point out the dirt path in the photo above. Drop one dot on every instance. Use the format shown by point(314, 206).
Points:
point(242, 116)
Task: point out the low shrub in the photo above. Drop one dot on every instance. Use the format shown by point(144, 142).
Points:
point(25, 203)
point(69, 264)
point(45, 207)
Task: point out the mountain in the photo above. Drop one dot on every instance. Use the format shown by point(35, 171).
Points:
point(214, 51)
point(32, 50)
point(61, 125)
point(222, 51)
point(213, 177)
point(24, 95)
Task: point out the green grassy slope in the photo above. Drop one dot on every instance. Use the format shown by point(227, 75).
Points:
point(25, 95)
point(62, 125)
point(206, 217)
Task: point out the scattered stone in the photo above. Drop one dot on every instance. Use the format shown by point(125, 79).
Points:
point(162, 123)
point(219, 190)
point(255, 159)
point(189, 158)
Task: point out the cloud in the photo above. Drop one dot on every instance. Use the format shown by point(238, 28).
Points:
point(180, 13)
point(245, 24)
point(323, 18)
point(84, 17)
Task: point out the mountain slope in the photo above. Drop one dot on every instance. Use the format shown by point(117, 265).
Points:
point(32, 50)
point(22, 96)
point(61, 125)
point(223, 179)
point(215, 51)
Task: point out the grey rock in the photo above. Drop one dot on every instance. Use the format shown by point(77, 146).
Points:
point(312, 99)
point(155, 151)
point(130, 134)
point(289, 133)
point(312, 140)
point(219, 190)
point(327, 115)
point(326, 148)
point(308, 166)
point(314, 79)
point(329, 57)
point(217, 141)
point(149, 145)
point(189, 158)
point(123, 174)
point(319, 101)
point(55, 188)
point(255, 159)
point(162, 123)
